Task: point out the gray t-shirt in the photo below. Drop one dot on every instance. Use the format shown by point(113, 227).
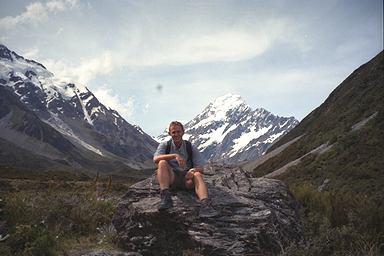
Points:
point(198, 160)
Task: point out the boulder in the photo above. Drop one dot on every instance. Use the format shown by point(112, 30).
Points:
point(258, 216)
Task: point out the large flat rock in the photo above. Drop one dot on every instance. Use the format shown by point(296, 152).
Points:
point(257, 216)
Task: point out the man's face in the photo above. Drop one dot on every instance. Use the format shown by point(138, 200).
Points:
point(176, 133)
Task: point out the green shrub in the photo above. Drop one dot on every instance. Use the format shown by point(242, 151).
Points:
point(338, 223)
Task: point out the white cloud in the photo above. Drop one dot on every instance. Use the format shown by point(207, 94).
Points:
point(221, 46)
point(31, 53)
point(83, 72)
point(192, 46)
point(125, 107)
point(184, 49)
point(156, 42)
point(36, 12)
point(55, 6)
point(89, 68)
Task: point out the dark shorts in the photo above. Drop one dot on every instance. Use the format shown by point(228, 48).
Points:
point(179, 182)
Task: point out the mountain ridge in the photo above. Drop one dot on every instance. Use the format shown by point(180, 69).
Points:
point(347, 125)
point(74, 112)
point(333, 163)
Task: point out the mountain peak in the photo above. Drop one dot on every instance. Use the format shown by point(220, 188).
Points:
point(219, 109)
point(9, 55)
point(228, 101)
point(5, 53)
point(228, 130)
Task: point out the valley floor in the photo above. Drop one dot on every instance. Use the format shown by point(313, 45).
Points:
point(56, 217)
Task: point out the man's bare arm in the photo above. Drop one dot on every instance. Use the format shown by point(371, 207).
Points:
point(179, 159)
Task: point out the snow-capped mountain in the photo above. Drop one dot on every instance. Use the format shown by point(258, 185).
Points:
point(72, 111)
point(228, 130)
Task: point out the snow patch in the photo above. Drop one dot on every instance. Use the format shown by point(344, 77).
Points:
point(86, 115)
point(212, 137)
point(245, 138)
point(273, 137)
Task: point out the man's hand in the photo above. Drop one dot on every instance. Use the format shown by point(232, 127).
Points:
point(196, 170)
point(189, 174)
point(180, 161)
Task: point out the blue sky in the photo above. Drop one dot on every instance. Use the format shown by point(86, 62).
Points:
point(158, 61)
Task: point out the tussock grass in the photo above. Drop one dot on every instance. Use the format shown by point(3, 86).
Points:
point(338, 223)
point(58, 216)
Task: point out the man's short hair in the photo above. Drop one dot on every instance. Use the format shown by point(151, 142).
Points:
point(175, 123)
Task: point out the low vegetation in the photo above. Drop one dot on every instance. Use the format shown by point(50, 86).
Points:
point(341, 195)
point(55, 217)
point(338, 224)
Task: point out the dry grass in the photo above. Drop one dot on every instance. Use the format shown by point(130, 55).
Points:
point(55, 217)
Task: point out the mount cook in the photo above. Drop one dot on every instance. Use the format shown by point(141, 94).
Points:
point(228, 130)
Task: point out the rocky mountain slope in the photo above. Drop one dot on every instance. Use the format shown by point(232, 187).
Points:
point(339, 145)
point(63, 123)
point(228, 130)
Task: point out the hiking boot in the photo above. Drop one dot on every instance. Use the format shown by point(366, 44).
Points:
point(206, 209)
point(166, 200)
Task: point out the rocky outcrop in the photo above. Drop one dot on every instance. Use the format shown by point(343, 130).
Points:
point(258, 216)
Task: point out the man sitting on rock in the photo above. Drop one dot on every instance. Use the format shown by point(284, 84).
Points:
point(180, 166)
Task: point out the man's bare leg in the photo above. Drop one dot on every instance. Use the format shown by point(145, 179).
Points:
point(200, 186)
point(206, 208)
point(165, 175)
